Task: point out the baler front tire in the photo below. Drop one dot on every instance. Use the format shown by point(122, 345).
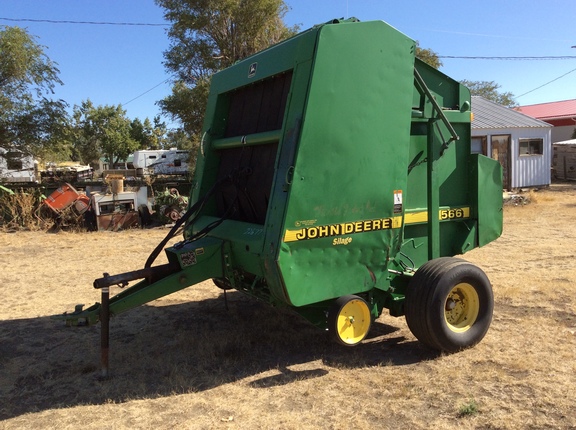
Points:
point(449, 304)
point(349, 320)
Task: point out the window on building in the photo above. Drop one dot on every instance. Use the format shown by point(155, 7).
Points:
point(531, 146)
point(478, 145)
point(14, 160)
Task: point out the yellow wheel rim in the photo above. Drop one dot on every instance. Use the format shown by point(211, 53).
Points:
point(461, 308)
point(353, 322)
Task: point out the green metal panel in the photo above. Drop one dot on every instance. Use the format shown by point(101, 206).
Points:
point(351, 159)
point(488, 189)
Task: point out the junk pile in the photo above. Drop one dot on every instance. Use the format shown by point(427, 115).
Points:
point(67, 206)
point(113, 207)
point(67, 172)
point(516, 199)
point(67, 197)
point(170, 205)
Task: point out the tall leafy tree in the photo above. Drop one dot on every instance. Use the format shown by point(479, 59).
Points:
point(428, 56)
point(490, 91)
point(149, 135)
point(30, 121)
point(210, 35)
point(142, 133)
point(102, 131)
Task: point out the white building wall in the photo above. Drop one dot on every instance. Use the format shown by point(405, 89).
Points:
point(562, 133)
point(525, 170)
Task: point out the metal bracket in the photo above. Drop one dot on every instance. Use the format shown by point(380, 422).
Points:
point(422, 85)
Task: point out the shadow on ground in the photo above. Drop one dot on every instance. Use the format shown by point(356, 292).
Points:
point(184, 347)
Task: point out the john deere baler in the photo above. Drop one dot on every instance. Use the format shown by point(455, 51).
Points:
point(335, 177)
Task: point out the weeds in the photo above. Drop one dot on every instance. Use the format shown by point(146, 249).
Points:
point(468, 409)
point(24, 210)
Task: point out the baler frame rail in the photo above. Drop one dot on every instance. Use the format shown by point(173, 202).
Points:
point(150, 273)
point(91, 315)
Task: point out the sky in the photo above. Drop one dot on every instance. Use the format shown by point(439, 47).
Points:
point(122, 64)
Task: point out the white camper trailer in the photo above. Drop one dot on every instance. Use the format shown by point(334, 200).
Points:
point(16, 167)
point(161, 162)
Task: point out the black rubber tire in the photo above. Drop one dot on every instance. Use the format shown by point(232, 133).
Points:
point(426, 300)
point(145, 216)
point(334, 312)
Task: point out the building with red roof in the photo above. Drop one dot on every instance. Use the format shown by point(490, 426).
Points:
point(562, 115)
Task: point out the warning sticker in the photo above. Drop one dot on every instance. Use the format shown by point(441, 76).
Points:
point(397, 201)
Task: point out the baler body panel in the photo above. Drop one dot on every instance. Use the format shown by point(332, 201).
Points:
point(351, 160)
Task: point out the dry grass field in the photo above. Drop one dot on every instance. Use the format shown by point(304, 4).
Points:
point(185, 361)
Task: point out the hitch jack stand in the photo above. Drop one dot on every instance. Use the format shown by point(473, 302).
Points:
point(105, 331)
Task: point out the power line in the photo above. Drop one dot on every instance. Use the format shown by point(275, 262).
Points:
point(564, 57)
point(147, 91)
point(84, 22)
point(543, 85)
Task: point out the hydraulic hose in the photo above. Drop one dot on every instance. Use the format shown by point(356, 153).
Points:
point(195, 209)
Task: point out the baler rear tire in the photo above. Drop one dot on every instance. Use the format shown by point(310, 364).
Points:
point(349, 320)
point(449, 304)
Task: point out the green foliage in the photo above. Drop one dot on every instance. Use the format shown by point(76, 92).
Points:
point(102, 131)
point(148, 135)
point(468, 409)
point(428, 56)
point(489, 90)
point(24, 66)
point(187, 104)
point(29, 121)
point(207, 36)
point(574, 134)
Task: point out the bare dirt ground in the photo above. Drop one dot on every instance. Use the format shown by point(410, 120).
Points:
point(186, 361)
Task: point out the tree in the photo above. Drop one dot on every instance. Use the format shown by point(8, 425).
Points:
point(428, 56)
point(102, 131)
point(149, 135)
point(159, 132)
point(208, 36)
point(178, 138)
point(29, 121)
point(489, 90)
point(142, 133)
